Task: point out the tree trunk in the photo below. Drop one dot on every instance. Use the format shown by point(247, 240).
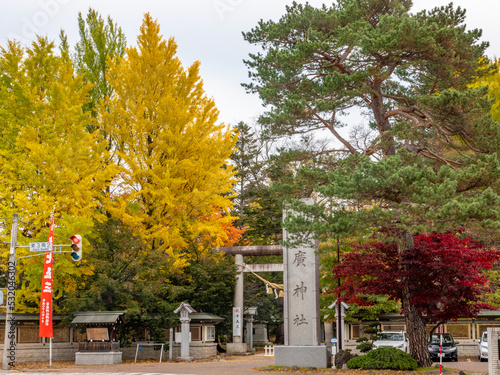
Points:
point(415, 328)
point(415, 325)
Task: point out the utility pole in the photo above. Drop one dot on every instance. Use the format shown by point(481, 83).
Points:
point(9, 344)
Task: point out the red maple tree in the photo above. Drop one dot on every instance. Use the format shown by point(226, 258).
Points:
point(444, 274)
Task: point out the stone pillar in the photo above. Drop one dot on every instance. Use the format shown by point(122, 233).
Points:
point(238, 346)
point(184, 310)
point(238, 293)
point(301, 310)
point(493, 352)
point(171, 345)
point(328, 333)
point(473, 330)
point(250, 313)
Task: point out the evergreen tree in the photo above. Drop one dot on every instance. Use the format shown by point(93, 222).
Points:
point(126, 275)
point(100, 42)
point(246, 161)
point(431, 164)
point(257, 207)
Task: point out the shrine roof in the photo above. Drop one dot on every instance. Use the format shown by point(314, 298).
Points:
point(98, 317)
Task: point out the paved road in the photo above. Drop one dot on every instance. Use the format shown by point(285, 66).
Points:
point(230, 366)
point(226, 366)
point(470, 367)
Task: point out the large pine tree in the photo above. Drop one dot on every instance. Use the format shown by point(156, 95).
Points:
point(430, 163)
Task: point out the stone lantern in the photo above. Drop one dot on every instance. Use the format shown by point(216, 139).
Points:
point(250, 313)
point(184, 310)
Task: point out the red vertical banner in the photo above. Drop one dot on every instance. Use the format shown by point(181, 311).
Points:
point(46, 295)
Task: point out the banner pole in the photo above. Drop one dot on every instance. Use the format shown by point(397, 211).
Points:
point(46, 295)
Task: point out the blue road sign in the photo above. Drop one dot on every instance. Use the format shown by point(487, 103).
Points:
point(39, 246)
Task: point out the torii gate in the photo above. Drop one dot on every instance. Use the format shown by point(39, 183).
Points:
point(301, 299)
point(238, 346)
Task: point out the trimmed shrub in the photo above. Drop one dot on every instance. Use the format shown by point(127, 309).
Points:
point(366, 343)
point(383, 358)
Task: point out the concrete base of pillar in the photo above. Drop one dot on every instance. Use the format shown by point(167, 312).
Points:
point(302, 356)
point(237, 348)
point(98, 358)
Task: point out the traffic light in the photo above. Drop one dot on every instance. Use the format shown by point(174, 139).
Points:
point(76, 247)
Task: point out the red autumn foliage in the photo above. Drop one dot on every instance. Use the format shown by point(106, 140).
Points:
point(444, 273)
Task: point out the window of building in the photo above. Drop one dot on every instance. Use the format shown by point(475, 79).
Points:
point(393, 327)
point(195, 333)
point(210, 333)
point(358, 330)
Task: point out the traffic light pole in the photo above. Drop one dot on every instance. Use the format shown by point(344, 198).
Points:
point(43, 253)
point(10, 339)
point(9, 344)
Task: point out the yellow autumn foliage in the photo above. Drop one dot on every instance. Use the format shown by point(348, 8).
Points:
point(492, 79)
point(50, 163)
point(171, 151)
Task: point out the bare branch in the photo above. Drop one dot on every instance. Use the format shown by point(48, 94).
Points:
point(327, 125)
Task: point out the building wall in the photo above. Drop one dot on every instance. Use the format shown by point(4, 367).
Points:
point(65, 352)
point(493, 352)
point(61, 352)
point(31, 348)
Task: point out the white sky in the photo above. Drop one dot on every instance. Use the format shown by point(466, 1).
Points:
point(205, 30)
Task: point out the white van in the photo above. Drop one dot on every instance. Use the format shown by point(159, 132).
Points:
point(483, 347)
point(396, 339)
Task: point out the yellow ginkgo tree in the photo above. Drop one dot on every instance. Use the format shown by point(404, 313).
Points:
point(492, 80)
point(171, 150)
point(50, 163)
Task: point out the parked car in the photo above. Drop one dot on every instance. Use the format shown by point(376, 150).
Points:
point(449, 347)
point(483, 347)
point(396, 339)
